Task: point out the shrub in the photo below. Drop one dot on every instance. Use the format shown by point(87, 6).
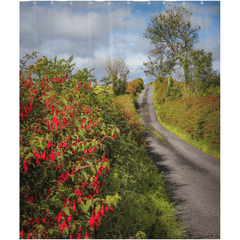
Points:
point(134, 86)
point(62, 161)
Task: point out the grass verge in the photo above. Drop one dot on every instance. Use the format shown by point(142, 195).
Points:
point(144, 209)
point(201, 145)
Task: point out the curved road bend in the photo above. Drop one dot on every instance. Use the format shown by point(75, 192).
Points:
point(193, 176)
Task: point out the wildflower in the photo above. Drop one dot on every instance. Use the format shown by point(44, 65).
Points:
point(21, 233)
point(86, 235)
point(102, 212)
point(70, 218)
point(106, 208)
point(74, 207)
point(43, 155)
point(59, 217)
point(65, 144)
point(60, 144)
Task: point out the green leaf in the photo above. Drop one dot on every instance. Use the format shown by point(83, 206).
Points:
point(41, 227)
point(66, 210)
point(88, 203)
point(50, 230)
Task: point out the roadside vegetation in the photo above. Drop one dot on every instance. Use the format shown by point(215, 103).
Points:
point(84, 165)
point(195, 119)
point(186, 88)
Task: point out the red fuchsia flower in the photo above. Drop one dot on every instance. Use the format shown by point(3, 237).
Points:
point(49, 192)
point(114, 136)
point(102, 212)
point(86, 235)
point(63, 80)
point(89, 150)
point(95, 148)
point(104, 159)
point(60, 144)
point(107, 137)
point(59, 217)
point(66, 76)
point(111, 208)
point(28, 236)
point(43, 155)
point(65, 144)
point(58, 167)
point(74, 207)
point(84, 184)
point(84, 152)
point(77, 88)
point(99, 172)
point(55, 79)
point(70, 218)
point(21, 233)
point(106, 208)
point(63, 225)
point(37, 162)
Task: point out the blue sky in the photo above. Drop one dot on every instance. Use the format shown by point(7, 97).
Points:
point(94, 32)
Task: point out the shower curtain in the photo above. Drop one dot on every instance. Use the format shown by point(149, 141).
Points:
point(72, 50)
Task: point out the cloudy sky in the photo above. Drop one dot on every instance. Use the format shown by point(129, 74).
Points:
point(94, 32)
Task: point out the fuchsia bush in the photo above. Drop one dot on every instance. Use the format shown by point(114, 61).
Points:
point(62, 155)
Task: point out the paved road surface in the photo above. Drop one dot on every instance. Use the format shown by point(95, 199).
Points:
point(193, 176)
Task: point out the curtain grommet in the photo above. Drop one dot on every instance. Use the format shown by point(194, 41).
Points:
point(34, 2)
point(52, 2)
point(148, 2)
point(163, 2)
point(70, 2)
point(202, 2)
point(128, 2)
point(90, 2)
point(183, 2)
point(109, 2)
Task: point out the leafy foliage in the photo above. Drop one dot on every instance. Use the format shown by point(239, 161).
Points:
point(198, 116)
point(173, 35)
point(62, 158)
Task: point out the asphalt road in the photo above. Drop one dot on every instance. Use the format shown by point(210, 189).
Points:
point(193, 177)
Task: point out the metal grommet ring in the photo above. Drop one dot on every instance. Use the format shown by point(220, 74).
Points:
point(109, 2)
point(148, 2)
point(163, 2)
point(70, 2)
point(201, 2)
point(34, 2)
point(128, 2)
point(90, 2)
point(52, 2)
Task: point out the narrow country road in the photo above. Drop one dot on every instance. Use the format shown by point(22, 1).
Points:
point(193, 177)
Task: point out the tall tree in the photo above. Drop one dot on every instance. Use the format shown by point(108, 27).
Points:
point(173, 35)
point(202, 69)
point(117, 73)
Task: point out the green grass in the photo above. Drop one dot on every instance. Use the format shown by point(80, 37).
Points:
point(201, 145)
point(145, 209)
